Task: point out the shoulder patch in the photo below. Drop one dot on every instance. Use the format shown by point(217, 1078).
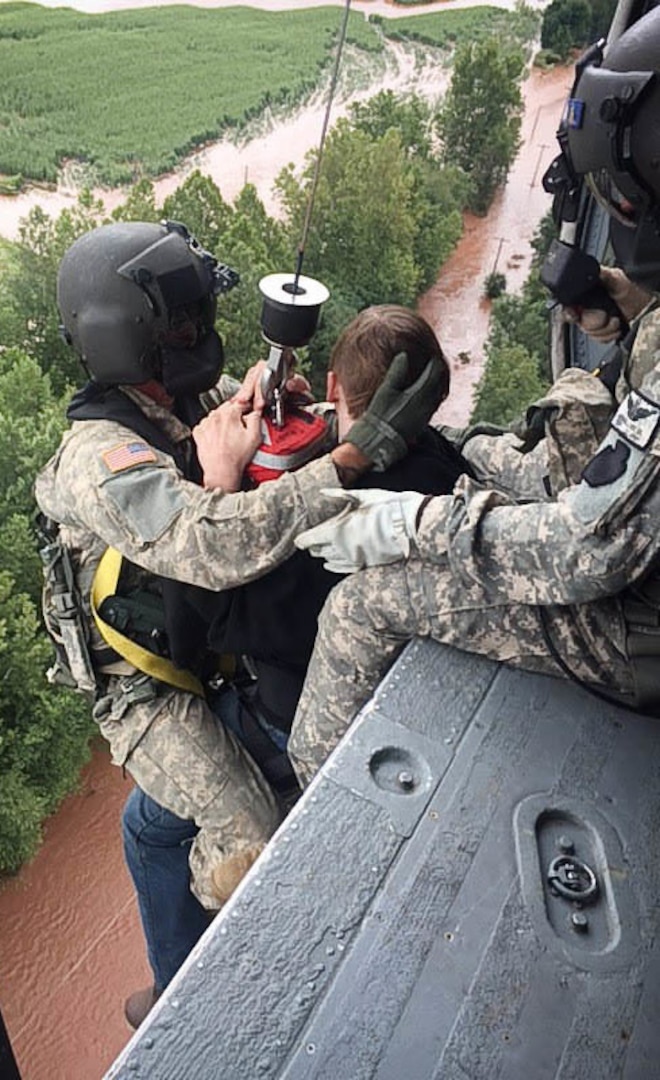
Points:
point(126, 455)
point(637, 419)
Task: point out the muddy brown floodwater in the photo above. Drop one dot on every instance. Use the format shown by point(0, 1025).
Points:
point(71, 946)
point(455, 305)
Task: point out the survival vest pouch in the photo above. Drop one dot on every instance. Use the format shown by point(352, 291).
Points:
point(123, 620)
point(63, 613)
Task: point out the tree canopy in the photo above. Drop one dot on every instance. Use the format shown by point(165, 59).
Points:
point(566, 25)
point(480, 119)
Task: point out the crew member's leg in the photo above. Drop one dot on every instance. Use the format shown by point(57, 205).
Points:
point(196, 780)
point(371, 615)
point(189, 762)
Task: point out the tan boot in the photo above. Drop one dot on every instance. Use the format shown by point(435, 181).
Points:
point(231, 871)
point(138, 1006)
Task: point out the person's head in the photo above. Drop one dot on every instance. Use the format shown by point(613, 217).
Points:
point(137, 302)
point(613, 140)
point(364, 351)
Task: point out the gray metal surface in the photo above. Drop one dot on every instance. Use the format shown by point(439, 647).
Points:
point(468, 891)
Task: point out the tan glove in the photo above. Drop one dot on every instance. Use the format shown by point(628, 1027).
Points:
point(602, 326)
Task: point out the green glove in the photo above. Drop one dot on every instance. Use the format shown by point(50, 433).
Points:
point(397, 413)
point(375, 529)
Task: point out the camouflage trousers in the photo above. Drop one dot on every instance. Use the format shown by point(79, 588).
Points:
point(182, 756)
point(371, 615)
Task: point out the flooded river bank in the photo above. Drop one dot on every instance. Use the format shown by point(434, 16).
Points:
point(455, 305)
point(71, 947)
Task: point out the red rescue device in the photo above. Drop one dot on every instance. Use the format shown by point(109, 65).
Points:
point(292, 436)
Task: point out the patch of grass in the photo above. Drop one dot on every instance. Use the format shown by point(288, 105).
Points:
point(11, 185)
point(447, 29)
point(128, 94)
point(131, 92)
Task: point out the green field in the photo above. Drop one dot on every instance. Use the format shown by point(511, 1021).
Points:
point(130, 93)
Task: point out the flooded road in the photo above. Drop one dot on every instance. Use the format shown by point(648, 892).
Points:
point(71, 947)
point(455, 305)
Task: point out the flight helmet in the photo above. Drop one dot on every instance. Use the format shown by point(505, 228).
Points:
point(138, 302)
point(612, 129)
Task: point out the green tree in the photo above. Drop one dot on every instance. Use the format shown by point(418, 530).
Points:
point(199, 204)
point(439, 195)
point(602, 12)
point(364, 221)
point(44, 733)
point(480, 118)
point(411, 116)
point(140, 204)
point(29, 319)
point(566, 25)
point(256, 245)
point(510, 381)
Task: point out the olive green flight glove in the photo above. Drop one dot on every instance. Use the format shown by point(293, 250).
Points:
point(375, 529)
point(397, 413)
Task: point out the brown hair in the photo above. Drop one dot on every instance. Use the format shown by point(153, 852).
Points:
point(367, 346)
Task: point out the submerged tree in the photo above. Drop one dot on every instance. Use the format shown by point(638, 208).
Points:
point(480, 118)
point(566, 25)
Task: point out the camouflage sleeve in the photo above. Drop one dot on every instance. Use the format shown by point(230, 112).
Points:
point(134, 498)
point(576, 412)
point(497, 461)
point(645, 352)
point(603, 530)
point(598, 536)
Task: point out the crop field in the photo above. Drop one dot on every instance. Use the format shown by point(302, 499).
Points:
point(130, 93)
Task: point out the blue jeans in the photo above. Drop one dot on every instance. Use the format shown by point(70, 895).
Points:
point(156, 847)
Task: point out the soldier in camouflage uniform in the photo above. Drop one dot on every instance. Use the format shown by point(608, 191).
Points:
point(549, 561)
point(138, 302)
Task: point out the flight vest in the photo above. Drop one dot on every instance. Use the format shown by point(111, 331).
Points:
point(137, 624)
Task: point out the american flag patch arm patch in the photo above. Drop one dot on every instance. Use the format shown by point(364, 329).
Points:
point(126, 455)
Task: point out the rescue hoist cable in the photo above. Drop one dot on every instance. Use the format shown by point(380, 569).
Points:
point(292, 303)
point(324, 130)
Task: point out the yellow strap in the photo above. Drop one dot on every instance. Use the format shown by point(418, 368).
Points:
point(104, 585)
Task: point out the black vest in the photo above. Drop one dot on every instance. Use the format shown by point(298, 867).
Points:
point(273, 620)
point(184, 640)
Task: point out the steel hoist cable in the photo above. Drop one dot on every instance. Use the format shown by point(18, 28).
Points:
point(324, 130)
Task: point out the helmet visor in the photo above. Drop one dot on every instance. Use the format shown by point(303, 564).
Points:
point(190, 323)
